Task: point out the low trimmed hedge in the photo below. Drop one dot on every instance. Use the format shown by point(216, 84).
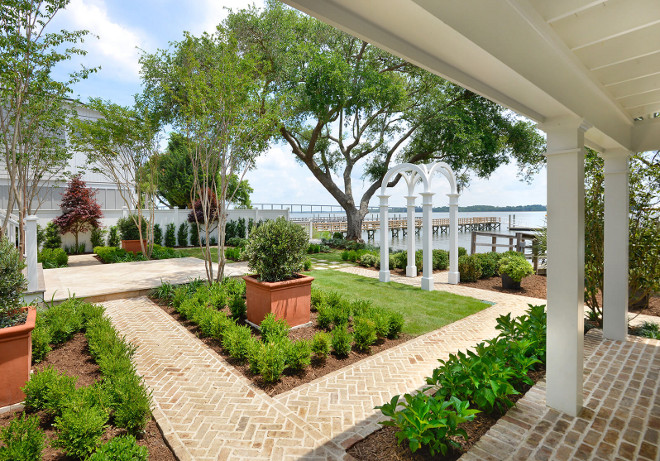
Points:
point(111, 255)
point(52, 258)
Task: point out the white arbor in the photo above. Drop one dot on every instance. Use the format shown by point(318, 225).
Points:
point(412, 175)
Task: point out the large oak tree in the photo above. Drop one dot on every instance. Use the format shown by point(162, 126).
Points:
point(352, 109)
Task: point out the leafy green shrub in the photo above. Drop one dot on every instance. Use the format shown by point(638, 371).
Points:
point(461, 251)
point(122, 448)
point(515, 266)
point(313, 248)
point(469, 268)
point(440, 260)
point(272, 362)
point(22, 439)
point(97, 236)
point(254, 355)
point(369, 260)
point(321, 345)
point(344, 255)
point(338, 236)
point(530, 327)
point(237, 242)
point(364, 333)
point(52, 236)
point(341, 341)
point(341, 314)
point(130, 401)
point(194, 235)
point(182, 235)
point(170, 235)
point(75, 249)
point(401, 260)
point(273, 329)
point(233, 253)
point(79, 431)
point(40, 340)
point(12, 281)
point(307, 264)
point(649, 330)
point(276, 250)
point(489, 263)
point(238, 307)
point(158, 234)
point(298, 355)
point(396, 322)
point(325, 317)
point(159, 252)
point(381, 321)
point(236, 340)
point(128, 228)
point(426, 421)
point(111, 255)
point(317, 298)
point(113, 237)
point(53, 258)
point(164, 291)
point(48, 390)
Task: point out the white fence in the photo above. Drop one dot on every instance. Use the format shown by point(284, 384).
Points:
point(161, 217)
point(12, 227)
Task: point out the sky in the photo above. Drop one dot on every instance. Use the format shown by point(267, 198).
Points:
point(120, 30)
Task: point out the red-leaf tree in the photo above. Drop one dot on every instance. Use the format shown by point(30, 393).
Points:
point(80, 210)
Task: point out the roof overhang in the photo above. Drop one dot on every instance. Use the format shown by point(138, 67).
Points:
point(542, 59)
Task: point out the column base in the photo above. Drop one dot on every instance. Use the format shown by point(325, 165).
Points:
point(384, 276)
point(411, 271)
point(454, 278)
point(427, 283)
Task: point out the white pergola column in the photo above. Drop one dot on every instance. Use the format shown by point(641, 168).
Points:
point(31, 253)
point(411, 268)
point(565, 280)
point(384, 274)
point(615, 281)
point(427, 239)
point(454, 276)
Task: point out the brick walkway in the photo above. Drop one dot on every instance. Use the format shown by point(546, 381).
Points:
point(209, 411)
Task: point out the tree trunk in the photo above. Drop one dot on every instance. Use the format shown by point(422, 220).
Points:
point(354, 223)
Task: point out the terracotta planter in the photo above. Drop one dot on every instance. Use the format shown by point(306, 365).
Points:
point(133, 246)
point(288, 300)
point(15, 359)
point(507, 282)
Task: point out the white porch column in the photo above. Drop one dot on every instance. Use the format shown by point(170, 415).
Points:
point(454, 276)
point(427, 239)
point(411, 268)
point(31, 253)
point(615, 283)
point(565, 339)
point(384, 274)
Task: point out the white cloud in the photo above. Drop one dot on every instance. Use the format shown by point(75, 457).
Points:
point(115, 49)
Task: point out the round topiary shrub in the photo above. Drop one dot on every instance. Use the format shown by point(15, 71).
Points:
point(277, 250)
point(515, 266)
point(469, 267)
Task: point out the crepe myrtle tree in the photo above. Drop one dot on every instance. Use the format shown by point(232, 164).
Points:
point(349, 107)
point(34, 109)
point(118, 146)
point(215, 97)
point(80, 210)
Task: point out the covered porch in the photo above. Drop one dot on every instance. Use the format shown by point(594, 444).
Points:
point(588, 72)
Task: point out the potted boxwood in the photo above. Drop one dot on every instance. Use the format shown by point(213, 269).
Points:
point(16, 325)
point(130, 235)
point(276, 251)
point(513, 267)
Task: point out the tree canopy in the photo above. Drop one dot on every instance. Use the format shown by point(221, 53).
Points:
point(352, 110)
point(80, 210)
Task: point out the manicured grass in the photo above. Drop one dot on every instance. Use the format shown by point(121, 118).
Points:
point(333, 257)
point(424, 311)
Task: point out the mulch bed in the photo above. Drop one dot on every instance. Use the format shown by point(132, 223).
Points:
point(382, 445)
point(73, 359)
point(533, 286)
point(288, 381)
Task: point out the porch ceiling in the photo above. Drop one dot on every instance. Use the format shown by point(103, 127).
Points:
point(596, 59)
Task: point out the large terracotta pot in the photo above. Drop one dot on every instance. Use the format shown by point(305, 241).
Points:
point(133, 246)
point(288, 300)
point(15, 359)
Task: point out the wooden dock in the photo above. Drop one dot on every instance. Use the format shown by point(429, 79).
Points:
point(397, 226)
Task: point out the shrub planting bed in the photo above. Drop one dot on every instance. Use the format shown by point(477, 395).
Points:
point(277, 359)
point(467, 394)
point(84, 399)
point(111, 255)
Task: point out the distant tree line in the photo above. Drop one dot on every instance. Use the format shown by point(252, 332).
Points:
point(445, 209)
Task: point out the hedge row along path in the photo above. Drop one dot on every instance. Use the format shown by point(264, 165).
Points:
point(208, 410)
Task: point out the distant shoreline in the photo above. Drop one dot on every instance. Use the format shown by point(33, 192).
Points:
point(475, 208)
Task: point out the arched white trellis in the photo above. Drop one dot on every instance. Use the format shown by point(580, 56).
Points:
point(413, 174)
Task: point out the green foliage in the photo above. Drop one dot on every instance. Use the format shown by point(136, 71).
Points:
point(489, 264)
point(12, 281)
point(130, 401)
point(469, 266)
point(113, 237)
point(235, 254)
point(128, 228)
point(648, 330)
point(307, 264)
point(273, 329)
point(313, 248)
point(53, 258)
point(369, 260)
point(158, 235)
point(79, 431)
point(111, 255)
point(515, 266)
point(321, 345)
point(182, 235)
point(272, 362)
point(364, 333)
point(440, 260)
point(40, 341)
point(22, 439)
point(237, 242)
point(425, 421)
point(97, 237)
point(236, 341)
point(170, 236)
point(396, 322)
point(298, 355)
point(48, 390)
point(52, 236)
point(238, 307)
point(122, 448)
point(276, 250)
point(341, 341)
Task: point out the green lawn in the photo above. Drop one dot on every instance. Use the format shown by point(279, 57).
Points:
point(424, 311)
point(333, 257)
point(197, 253)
